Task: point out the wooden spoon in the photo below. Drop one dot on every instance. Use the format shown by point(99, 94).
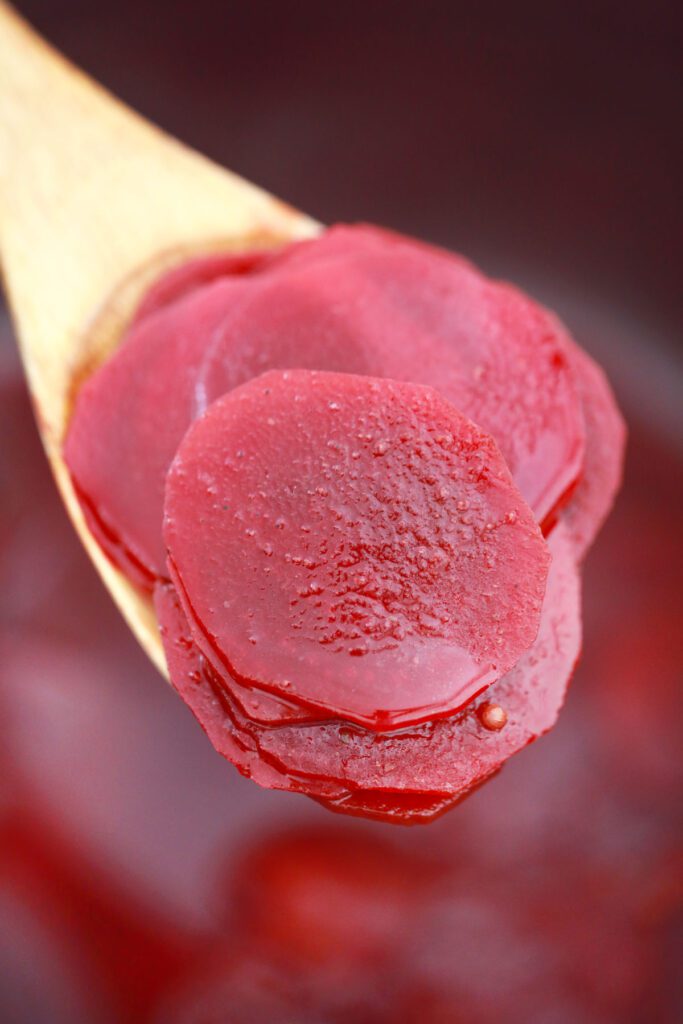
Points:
point(94, 203)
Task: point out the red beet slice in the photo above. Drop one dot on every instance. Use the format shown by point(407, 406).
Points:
point(361, 300)
point(182, 281)
point(187, 670)
point(132, 414)
point(191, 676)
point(453, 755)
point(604, 455)
point(401, 807)
point(343, 240)
point(353, 544)
point(128, 422)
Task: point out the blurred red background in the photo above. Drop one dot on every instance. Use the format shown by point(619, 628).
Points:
point(141, 879)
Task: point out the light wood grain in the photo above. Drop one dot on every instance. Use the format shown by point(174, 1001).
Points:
point(94, 203)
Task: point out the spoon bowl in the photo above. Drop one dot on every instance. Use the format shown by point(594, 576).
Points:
point(96, 202)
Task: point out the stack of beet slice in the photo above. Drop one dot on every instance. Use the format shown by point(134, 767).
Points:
point(377, 471)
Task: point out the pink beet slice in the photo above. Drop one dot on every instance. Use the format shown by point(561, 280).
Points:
point(453, 755)
point(355, 300)
point(190, 675)
point(353, 544)
point(251, 704)
point(392, 307)
point(127, 424)
point(262, 707)
point(604, 457)
point(341, 241)
point(188, 672)
point(254, 704)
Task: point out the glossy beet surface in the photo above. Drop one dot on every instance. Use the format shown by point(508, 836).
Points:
point(356, 300)
point(235, 739)
point(189, 672)
point(453, 755)
point(353, 544)
point(416, 773)
point(141, 878)
point(600, 479)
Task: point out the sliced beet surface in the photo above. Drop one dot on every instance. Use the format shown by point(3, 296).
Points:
point(190, 676)
point(356, 300)
point(352, 544)
point(340, 241)
point(460, 750)
point(178, 283)
point(188, 673)
point(262, 707)
point(396, 808)
point(453, 755)
point(129, 420)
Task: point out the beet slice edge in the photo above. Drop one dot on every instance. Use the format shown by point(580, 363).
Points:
point(453, 755)
point(406, 546)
